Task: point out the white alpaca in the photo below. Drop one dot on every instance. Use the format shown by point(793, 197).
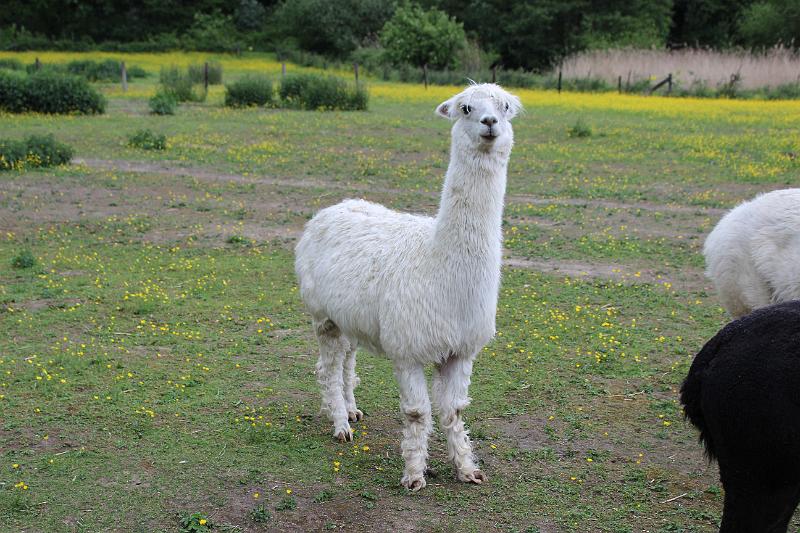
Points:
point(417, 289)
point(753, 253)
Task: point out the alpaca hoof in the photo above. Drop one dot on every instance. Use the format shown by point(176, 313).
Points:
point(413, 483)
point(343, 435)
point(355, 416)
point(476, 476)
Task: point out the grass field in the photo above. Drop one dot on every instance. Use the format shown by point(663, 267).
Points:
point(157, 362)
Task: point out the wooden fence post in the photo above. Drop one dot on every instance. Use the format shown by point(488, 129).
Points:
point(669, 83)
point(205, 76)
point(619, 84)
point(667, 80)
point(283, 68)
point(559, 82)
point(124, 74)
point(425, 74)
point(355, 69)
point(38, 64)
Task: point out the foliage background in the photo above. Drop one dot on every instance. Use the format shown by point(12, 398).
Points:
point(518, 34)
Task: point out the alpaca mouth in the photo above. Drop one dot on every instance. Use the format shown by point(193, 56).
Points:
point(488, 137)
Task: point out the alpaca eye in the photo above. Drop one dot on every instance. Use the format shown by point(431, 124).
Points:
point(506, 107)
point(466, 109)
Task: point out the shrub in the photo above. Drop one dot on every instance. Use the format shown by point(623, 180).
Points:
point(24, 259)
point(35, 151)
point(249, 91)
point(136, 72)
point(163, 104)
point(310, 91)
point(11, 64)
point(49, 92)
point(197, 71)
point(148, 140)
point(12, 91)
point(108, 70)
point(580, 129)
point(45, 151)
point(12, 154)
point(179, 85)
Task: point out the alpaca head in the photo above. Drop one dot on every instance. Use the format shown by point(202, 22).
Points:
point(482, 115)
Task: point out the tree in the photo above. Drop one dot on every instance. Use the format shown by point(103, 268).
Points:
point(250, 15)
point(706, 22)
point(419, 37)
point(770, 22)
point(333, 28)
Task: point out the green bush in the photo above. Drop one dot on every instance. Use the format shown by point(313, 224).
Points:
point(580, 129)
point(48, 92)
point(35, 151)
point(11, 64)
point(249, 91)
point(197, 71)
point(24, 259)
point(163, 104)
point(311, 91)
point(108, 70)
point(148, 140)
point(179, 84)
point(13, 87)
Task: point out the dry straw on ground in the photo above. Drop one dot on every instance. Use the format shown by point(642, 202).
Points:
point(777, 66)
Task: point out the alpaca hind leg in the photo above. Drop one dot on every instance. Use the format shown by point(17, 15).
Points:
point(450, 395)
point(330, 368)
point(417, 424)
point(351, 381)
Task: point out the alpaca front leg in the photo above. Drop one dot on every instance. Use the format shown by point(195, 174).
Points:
point(450, 394)
point(351, 381)
point(417, 424)
point(330, 370)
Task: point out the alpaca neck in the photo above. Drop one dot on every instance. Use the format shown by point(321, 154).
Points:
point(468, 225)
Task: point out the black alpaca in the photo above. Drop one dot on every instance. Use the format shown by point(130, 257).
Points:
point(743, 394)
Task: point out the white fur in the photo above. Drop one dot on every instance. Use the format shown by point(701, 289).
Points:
point(753, 253)
point(417, 289)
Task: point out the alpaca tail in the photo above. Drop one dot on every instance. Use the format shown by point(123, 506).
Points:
point(692, 392)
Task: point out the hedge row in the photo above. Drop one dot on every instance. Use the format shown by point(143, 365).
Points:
point(48, 92)
point(299, 91)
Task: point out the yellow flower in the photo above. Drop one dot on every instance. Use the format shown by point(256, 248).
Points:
point(256, 495)
point(203, 521)
point(288, 491)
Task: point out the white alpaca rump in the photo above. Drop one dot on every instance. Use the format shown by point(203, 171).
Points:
point(753, 253)
point(418, 289)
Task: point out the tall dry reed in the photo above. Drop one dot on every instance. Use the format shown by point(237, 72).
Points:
point(776, 66)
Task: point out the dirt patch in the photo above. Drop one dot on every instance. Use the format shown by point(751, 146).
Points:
point(631, 206)
point(44, 303)
point(631, 274)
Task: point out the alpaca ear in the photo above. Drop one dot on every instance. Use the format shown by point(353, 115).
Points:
point(445, 109)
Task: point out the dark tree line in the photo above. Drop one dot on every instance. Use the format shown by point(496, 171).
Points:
point(521, 33)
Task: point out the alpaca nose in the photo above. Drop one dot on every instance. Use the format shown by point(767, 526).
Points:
point(489, 120)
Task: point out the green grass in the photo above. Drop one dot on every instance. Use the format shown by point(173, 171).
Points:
point(156, 363)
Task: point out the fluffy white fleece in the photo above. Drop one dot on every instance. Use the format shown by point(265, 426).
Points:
point(417, 289)
point(753, 253)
